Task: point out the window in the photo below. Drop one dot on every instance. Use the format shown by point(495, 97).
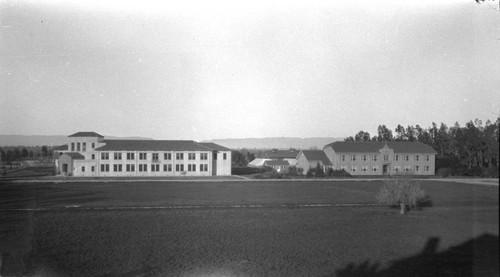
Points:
point(143, 167)
point(407, 168)
point(375, 158)
point(117, 168)
point(142, 156)
point(224, 156)
point(364, 168)
point(353, 168)
point(342, 158)
point(84, 147)
point(83, 168)
point(427, 158)
point(396, 158)
point(72, 146)
point(155, 157)
point(93, 156)
point(92, 168)
point(397, 168)
point(417, 158)
point(417, 169)
point(203, 167)
point(386, 158)
point(353, 158)
point(130, 167)
point(203, 156)
point(167, 167)
point(78, 147)
point(191, 156)
point(117, 156)
point(364, 158)
point(104, 156)
point(374, 169)
point(167, 156)
point(155, 167)
point(407, 158)
point(426, 168)
point(191, 167)
point(130, 156)
point(179, 156)
point(179, 167)
point(342, 167)
point(93, 145)
point(105, 167)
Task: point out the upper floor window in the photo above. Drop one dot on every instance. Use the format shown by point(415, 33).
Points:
point(224, 156)
point(386, 158)
point(72, 146)
point(117, 156)
point(93, 145)
point(203, 156)
point(142, 156)
point(167, 156)
point(84, 146)
point(78, 147)
point(342, 158)
point(191, 156)
point(417, 158)
point(364, 158)
point(375, 158)
point(396, 158)
point(407, 158)
point(179, 156)
point(104, 156)
point(427, 158)
point(130, 156)
point(155, 156)
point(93, 156)
point(353, 158)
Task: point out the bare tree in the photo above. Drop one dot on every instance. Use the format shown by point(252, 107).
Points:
point(402, 190)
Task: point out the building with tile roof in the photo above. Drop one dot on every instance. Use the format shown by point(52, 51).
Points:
point(379, 158)
point(308, 159)
point(89, 154)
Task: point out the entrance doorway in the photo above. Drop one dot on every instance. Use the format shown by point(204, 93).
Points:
point(385, 169)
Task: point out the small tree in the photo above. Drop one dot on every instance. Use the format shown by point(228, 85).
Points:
point(319, 172)
point(310, 173)
point(292, 170)
point(402, 190)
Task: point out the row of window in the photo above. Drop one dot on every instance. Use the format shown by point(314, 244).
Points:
point(155, 156)
point(80, 146)
point(152, 168)
point(365, 168)
point(385, 158)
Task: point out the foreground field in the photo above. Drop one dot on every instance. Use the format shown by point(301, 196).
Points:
point(458, 236)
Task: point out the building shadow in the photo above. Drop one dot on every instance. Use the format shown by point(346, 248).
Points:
point(475, 257)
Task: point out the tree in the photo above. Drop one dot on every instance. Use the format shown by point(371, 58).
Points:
point(44, 151)
point(401, 190)
point(350, 138)
point(25, 153)
point(400, 133)
point(384, 134)
point(319, 172)
point(362, 136)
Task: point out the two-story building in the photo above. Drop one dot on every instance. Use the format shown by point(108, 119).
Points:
point(89, 154)
point(379, 158)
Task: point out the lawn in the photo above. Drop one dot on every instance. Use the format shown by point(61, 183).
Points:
point(460, 231)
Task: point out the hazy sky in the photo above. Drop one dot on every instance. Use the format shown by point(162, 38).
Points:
point(252, 69)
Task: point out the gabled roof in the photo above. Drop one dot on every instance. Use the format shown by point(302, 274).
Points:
point(375, 146)
point(75, 156)
point(86, 134)
point(152, 145)
point(316, 155)
point(215, 146)
point(276, 162)
point(280, 154)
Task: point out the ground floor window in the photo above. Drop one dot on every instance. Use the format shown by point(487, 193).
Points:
point(130, 167)
point(117, 168)
point(143, 167)
point(374, 169)
point(397, 168)
point(155, 167)
point(104, 167)
point(407, 168)
point(191, 167)
point(203, 167)
point(426, 168)
point(364, 168)
point(167, 167)
point(92, 168)
point(353, 168)
point(417, 168)
point(83, 168)
point(179, 167)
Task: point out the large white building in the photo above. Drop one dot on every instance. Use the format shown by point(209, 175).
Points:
point(89, 154)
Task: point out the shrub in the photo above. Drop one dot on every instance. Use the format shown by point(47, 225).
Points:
point(492, 172)
point(292, 170)
point(340, 173)
point(310, 173)
point(300, 170)
point(445, 172)
point(403, 191)
point(319, 172)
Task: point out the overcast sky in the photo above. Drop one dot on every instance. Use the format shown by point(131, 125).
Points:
point(253, 69)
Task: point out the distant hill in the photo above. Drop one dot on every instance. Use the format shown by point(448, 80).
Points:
point(276, 142)
point(21, 140)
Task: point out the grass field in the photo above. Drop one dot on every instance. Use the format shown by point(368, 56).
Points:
point(457, 236)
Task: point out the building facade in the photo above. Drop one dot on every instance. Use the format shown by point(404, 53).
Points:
point(308, 159)
point(89, 154)
point(379, 158)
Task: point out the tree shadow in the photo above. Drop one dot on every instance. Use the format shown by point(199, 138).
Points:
point(475, 257)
